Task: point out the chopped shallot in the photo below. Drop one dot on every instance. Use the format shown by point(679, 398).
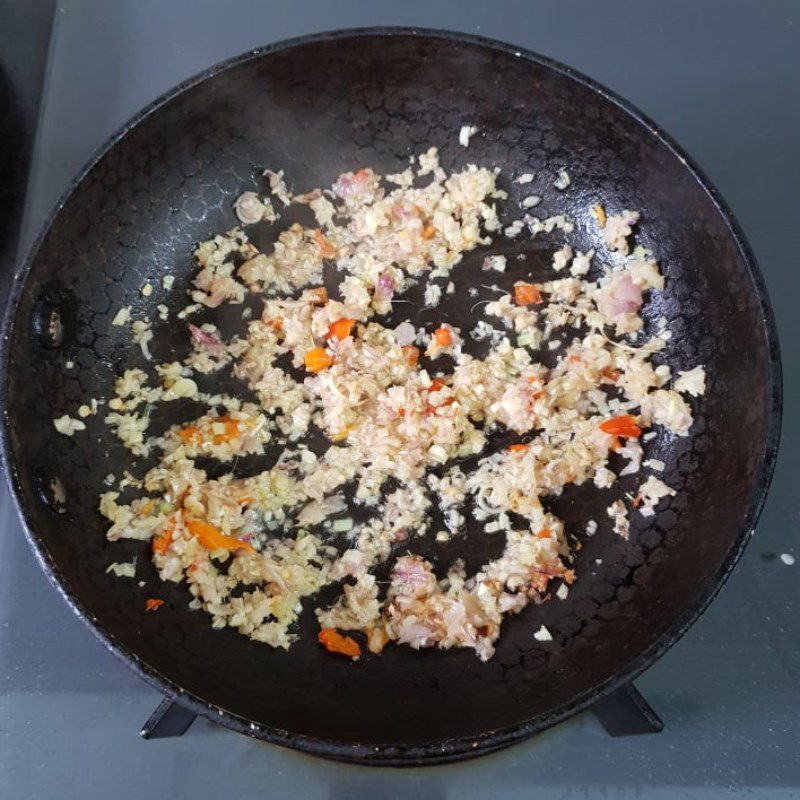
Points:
point(391, 429)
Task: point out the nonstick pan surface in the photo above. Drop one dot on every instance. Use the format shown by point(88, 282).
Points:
point(316, 107)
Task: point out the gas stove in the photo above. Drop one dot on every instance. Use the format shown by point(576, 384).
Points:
point(727, 692)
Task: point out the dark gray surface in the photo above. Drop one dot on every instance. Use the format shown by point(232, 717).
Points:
point(24, 39)
point(724, 82)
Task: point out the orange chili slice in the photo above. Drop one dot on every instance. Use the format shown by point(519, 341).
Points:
point(334, 642)
point(443, 337)
point(526, 294)
point(213, 539)
point(437, 384)
point(153, 604)
point(162, 542)
point(623, 425)
point(517, 448)
point(341, 329)
point(318, 359)
point(190, 435)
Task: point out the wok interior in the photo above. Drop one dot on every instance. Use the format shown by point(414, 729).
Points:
point(315, 110)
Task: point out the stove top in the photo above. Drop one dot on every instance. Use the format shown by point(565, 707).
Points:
point(728, 692)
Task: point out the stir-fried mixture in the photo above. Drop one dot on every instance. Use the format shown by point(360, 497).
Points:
point(411, 416)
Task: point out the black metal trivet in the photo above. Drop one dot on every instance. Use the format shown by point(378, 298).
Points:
point(624, 712)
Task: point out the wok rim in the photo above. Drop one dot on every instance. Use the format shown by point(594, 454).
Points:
point(435, 752)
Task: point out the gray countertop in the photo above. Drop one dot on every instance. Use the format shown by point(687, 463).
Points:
point(722, 78)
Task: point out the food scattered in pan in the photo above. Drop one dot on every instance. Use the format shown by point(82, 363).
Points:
point(424, 426)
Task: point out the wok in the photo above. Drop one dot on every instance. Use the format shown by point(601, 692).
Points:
point(318, 106)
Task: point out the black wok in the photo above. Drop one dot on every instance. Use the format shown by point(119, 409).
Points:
point(316, 107)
